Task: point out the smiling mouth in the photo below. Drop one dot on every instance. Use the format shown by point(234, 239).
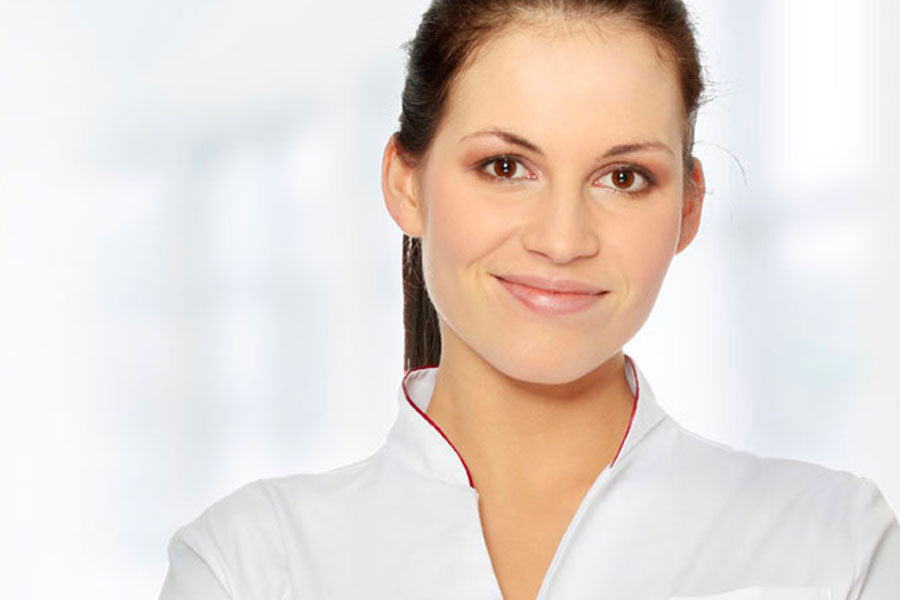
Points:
point(559, 286)
point(552, 302)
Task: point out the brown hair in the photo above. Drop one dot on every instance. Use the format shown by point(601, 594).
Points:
point(449, 32)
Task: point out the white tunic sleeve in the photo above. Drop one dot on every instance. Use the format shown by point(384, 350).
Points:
point(233, 551)
point(878, 570)
point(190, 576)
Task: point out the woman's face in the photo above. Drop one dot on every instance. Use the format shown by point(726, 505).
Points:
point(558, 157)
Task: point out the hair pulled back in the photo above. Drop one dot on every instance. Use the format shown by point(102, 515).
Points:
point(449, 32)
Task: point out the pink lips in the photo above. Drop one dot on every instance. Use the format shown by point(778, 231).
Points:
point(551, 298)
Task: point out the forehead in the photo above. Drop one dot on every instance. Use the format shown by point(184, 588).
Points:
point(604, 78)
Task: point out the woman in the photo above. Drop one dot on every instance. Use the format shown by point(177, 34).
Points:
point(544, 180)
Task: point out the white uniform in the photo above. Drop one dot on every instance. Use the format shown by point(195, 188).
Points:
point(673, 516)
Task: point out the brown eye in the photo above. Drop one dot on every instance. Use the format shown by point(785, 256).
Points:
point(626, 180)
point(623, 178)
point(505, 168)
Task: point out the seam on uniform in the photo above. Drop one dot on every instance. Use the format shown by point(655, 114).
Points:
point(280, 526)
point(856, 583)
point(861, 567)
point(198, 546)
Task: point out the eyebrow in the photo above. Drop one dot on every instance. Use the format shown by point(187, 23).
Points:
point(506, 136)
point(617, 150)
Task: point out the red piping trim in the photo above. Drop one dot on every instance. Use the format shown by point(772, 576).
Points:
point(637, 395)
point(433, 424)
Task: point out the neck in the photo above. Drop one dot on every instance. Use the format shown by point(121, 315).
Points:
point(534, 439)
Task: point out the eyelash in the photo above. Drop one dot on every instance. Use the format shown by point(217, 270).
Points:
point(648, 178)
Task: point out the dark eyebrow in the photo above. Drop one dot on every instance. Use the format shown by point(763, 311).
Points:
point(627, 148)
point(507, 137)
point(619, 150)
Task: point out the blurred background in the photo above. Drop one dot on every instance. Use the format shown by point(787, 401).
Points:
point(199, 285)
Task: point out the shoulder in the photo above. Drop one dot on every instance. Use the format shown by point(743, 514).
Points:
point(761, 499)
point(240, 538)
point(254, 510)
point(708, 463)
point(743, 515)
point(234, 545)
point(771, 494)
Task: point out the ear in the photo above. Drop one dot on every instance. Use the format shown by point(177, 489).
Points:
point(692, 205)
point(401, 190)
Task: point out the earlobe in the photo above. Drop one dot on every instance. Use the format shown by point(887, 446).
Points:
point(400, 189)
point(692, 205)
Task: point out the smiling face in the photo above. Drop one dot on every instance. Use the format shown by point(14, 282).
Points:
point(558, 158)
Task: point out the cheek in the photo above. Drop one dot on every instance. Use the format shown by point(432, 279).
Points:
point(646, 247)
point(461, 226)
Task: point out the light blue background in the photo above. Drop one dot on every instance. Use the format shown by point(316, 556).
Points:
point(199, 285)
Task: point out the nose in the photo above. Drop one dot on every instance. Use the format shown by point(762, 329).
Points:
point(560, 227)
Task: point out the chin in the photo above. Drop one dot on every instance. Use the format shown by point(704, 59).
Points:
point(548, 368)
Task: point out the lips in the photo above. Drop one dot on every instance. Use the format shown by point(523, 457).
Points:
point(548, 285)
point(551, 298)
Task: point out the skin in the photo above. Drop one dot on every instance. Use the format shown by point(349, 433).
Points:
point(537, 405)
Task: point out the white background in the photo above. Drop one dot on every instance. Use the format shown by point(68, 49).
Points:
point(199, 285)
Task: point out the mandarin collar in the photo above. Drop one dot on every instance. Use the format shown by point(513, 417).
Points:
point(422, 445)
